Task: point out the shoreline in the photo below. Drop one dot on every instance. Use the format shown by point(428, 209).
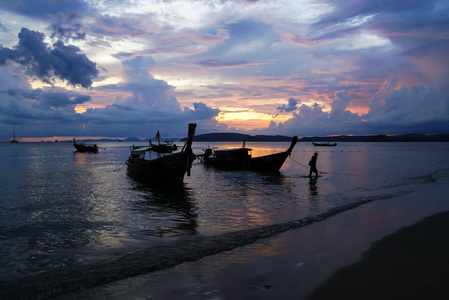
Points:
point(412, 263)
point(290, 265)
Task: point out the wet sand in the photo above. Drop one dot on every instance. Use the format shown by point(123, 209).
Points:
point(412, 263)
point(384, 249)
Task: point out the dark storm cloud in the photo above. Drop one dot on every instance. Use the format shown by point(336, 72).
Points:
point(43, 8)
point(201, 111)
point(68, 28)
point(291, 106)
point(50, 98)
point(41, 106)
point(65, 62)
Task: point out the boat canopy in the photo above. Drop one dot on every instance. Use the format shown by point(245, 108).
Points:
point(139, 150)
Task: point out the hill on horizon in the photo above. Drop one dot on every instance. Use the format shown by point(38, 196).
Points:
point(239, 137)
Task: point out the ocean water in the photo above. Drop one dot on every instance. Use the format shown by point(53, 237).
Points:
point(73, 220)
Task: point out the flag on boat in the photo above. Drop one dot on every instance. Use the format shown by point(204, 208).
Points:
point(158, 137)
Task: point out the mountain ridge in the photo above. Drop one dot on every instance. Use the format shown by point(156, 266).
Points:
point(239, 137)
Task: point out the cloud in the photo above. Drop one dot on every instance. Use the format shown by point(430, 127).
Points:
point(388, 62)
point(291, 106)
point(68, 28)
point(151, 104)
point(64, 62)
point(201, 111)
point(211, 63)
point(339, 112)
point(51, 106)
point(421, 108)
point(421, 103)
point(44, 8)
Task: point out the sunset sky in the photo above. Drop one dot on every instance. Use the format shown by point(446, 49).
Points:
point(122, 68)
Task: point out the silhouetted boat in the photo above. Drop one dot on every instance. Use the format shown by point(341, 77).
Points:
point(240, 159)
point(162, 166)
point(164, 147)
point(83, 147)
point(14, 139)
point(324, 144)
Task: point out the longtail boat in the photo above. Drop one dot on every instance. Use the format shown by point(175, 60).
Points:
point(324, 144)
point(83, 147)
point(148, 163)
point(241, 158)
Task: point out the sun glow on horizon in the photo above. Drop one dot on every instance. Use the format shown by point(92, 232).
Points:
point(246, 118)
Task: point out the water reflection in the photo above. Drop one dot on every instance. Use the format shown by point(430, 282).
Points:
point(313, 189)
point(169, 208)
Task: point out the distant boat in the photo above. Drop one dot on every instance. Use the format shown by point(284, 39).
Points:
point(14, 141)
point(164, 147)
point(324, 144)
point(162, 166)
point(240, 159)
point(82, 147)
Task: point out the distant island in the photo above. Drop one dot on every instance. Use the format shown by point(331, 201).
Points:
point(238, 137)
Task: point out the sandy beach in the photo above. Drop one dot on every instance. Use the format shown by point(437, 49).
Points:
point(388, 249)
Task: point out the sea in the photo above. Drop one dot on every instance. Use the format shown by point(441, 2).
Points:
point(71, 221)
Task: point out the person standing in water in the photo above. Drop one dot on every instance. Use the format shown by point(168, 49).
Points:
point(312, 164)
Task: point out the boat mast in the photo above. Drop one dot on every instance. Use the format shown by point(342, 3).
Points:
point(14, 139)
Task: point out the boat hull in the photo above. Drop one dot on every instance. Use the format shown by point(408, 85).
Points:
point(83, 148)
point(271, 162)
point(170, 167)
point(235, 159)
point(240, 159)
point(324, 144)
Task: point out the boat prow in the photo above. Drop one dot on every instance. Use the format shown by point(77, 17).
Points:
point(162, 166)
point(241, 159)
point(83, 147)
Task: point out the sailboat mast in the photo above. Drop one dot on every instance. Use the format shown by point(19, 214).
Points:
point(14, 139)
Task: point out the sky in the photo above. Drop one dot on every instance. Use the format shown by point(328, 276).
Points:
point(128, 68)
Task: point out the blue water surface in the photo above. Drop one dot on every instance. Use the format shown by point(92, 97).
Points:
point(61, 209)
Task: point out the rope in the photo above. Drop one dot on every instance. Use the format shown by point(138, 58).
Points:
point(322, 172)
point(242, 184)
point(298, 162)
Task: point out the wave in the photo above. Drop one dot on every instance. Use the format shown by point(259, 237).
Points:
point(141, 261)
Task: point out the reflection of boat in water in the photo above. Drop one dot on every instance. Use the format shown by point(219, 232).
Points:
point(241, 159)
point(161, 165)
point(83, 147)
point(324, 144)
point(169, 207)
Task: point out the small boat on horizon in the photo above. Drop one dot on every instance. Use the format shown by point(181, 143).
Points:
point(241, 158)
point(83, 147)
point(160, 165)
point(324, 144)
